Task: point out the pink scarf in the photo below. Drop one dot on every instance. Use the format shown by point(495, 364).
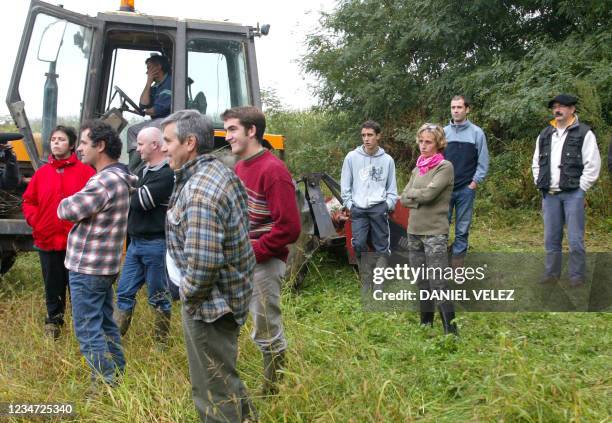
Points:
point(427, 163)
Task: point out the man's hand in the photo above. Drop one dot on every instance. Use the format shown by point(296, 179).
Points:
point(345, 214)
point(151, 77)
point(473, 185)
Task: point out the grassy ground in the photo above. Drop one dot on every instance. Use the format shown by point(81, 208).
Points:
point(344, 365)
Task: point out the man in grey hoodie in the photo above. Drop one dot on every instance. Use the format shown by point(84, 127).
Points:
point(369, 191)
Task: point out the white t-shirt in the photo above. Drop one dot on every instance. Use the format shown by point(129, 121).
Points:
point(174, 272)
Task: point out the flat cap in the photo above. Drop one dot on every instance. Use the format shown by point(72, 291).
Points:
point(564, 99)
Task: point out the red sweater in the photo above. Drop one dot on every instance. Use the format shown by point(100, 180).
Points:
point(50, 184)
point(274, 219)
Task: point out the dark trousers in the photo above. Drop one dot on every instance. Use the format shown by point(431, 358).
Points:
point(212, 349)
point(55, 276)
point(373, 222)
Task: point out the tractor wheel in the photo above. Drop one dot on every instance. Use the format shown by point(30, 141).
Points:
point(7, 259)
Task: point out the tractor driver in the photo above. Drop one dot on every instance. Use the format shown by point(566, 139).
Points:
point(155, 100)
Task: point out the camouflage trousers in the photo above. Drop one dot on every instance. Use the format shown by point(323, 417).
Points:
point(429, 252)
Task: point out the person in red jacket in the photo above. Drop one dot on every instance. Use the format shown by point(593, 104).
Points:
point(61, 177)
point(274, 223)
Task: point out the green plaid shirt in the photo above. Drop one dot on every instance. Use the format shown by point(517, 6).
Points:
point(207, 234)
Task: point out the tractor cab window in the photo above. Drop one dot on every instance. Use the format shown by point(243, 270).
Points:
point(52, 82)
point(216, 76)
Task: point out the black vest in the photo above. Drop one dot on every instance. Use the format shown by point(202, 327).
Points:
point(571, 158)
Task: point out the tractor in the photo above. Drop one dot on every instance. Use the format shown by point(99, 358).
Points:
point(72, 67)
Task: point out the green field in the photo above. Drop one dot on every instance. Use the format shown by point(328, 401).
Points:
point(345, 365)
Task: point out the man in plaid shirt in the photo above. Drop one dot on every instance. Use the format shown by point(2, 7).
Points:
point(95, 244)
point(209, 257)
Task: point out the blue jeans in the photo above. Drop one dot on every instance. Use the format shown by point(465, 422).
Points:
point(94, 327)
point(462, 201)
point(144, 261)
point(372, 224)
point(564, 208)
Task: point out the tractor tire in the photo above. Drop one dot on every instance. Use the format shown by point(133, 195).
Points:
point(7, 259)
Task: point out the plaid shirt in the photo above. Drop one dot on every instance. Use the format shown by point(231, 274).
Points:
point(100, 212)
point(207, 236)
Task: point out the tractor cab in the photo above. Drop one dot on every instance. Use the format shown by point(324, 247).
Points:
point(72, 67)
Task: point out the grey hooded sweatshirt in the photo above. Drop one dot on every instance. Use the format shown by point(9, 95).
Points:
point(368, 180)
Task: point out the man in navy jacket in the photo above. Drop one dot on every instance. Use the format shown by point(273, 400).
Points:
point(467, 151)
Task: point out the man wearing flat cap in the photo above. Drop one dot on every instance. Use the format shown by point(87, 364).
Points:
point(565, 165)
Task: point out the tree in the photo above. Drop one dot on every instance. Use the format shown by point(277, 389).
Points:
point(400, 60)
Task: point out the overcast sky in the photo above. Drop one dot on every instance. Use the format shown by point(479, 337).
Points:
point(277, 54)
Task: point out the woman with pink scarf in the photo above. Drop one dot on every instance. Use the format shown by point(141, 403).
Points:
point(428, 195)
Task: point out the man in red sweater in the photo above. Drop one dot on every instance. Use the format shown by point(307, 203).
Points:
point(274, 223)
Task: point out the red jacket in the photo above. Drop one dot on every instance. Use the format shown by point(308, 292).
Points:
point(50, 184)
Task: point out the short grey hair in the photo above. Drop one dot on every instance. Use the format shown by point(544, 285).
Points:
point(191, 122)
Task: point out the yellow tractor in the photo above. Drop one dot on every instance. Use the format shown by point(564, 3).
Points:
point(72, 67)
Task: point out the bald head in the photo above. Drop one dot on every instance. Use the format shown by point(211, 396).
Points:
point(149, 143)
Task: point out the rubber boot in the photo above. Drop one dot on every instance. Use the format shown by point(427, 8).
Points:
point(273, 364)
point(457, 261)
point(382, 261)
point(427, 312)
point(122, 319)
point(52, 330)
point(161, 329)
point(447, 313)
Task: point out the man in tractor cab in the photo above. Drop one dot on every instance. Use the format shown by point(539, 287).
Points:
point(369, 193)
point(155, 100)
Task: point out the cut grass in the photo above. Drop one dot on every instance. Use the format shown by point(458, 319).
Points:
point(344, 365)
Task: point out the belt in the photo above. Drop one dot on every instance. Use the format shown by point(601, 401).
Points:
point(551, 192)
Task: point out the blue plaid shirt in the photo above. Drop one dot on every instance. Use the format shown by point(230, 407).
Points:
point(207, 234)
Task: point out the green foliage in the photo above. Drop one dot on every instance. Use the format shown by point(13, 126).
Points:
point(316, 140)
point(400, 62)
point(394, 59)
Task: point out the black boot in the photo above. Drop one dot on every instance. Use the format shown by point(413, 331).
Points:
point(161, 329)
point(447, 313)
point(426, 308)
point(273, 364)
point(122, 319)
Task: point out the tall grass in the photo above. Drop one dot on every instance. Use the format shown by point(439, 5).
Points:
point(345, 365)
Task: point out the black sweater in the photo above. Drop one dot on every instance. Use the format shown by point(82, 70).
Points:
point(149, 202)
